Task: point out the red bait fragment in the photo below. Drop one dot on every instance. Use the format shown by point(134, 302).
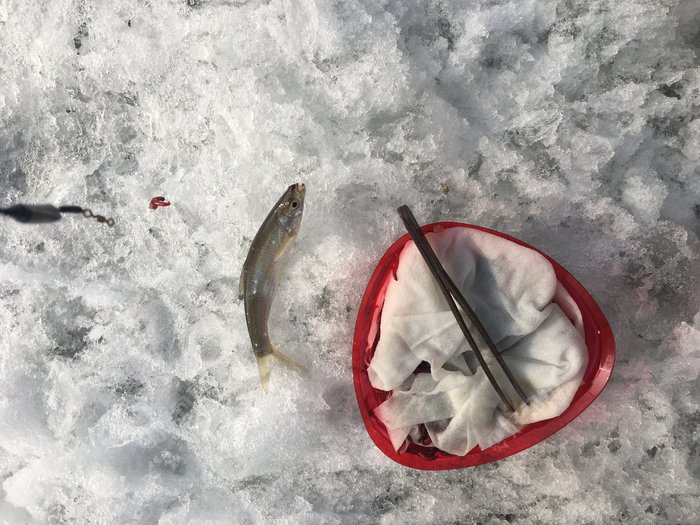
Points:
point(158, 201)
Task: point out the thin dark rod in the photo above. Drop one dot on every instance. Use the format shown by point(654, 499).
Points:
point(469, 311)
point(444, 282)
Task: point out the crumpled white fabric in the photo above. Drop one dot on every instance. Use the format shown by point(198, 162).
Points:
point(511, 288)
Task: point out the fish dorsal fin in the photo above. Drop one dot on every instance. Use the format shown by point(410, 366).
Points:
point(241, 284)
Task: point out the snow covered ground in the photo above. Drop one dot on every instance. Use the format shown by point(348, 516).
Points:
point(128, 389)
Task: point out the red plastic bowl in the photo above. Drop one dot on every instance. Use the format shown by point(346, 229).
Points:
point(601, 357)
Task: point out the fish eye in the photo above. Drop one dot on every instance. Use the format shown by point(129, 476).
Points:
point(294, 204)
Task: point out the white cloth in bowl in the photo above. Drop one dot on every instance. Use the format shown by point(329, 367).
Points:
point(511, 288)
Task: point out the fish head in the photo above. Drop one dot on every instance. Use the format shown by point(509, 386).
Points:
point(291, 207)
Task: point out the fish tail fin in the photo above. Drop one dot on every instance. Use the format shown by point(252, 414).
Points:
point(264, 366)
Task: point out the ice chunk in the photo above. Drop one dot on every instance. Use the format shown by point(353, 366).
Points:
point(644, 199)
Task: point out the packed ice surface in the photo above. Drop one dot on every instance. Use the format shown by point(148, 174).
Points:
point(128, 389)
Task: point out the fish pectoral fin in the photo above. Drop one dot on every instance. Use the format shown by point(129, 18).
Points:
point(264, 366)
point(284, 248)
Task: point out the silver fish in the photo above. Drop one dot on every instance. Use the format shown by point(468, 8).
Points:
point(261, 271)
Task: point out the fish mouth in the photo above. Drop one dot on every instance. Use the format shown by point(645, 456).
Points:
point(298, 188)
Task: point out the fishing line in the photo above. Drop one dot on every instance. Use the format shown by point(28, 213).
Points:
point(43, 213)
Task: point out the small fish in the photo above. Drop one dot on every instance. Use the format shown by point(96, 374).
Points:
point(261, 271)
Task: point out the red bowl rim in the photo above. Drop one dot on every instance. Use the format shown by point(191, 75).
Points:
point(599, 341)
